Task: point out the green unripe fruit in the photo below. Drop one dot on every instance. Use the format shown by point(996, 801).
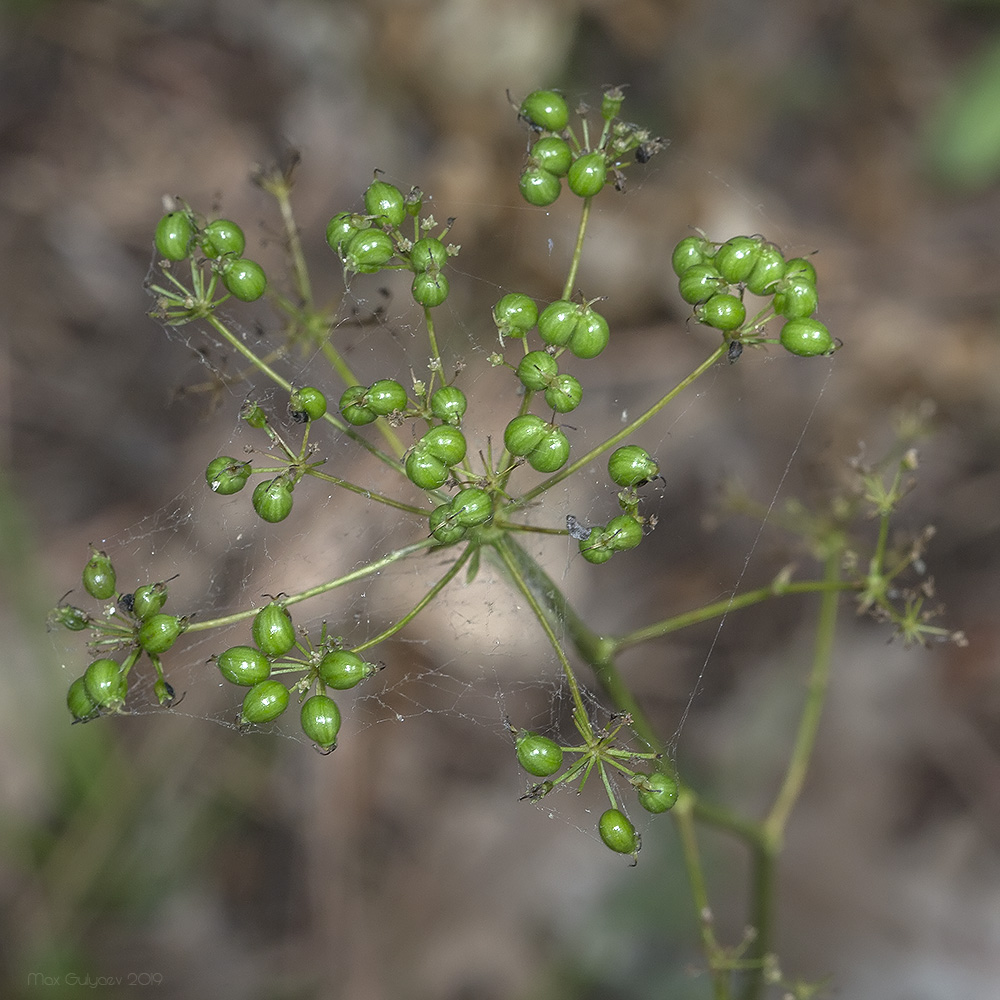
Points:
point(445, 443)
point(226, 475)
point(244, 665)
point(617, 832)
point(99, 576)
point(623, 532)
point(631, 465)
point(148, 599)
point(320, 719)
point(722, 311)
point(449, 404)
point(75, 619)
point(428, 254)
point(551, 453)
point(354, 406)
point(264, 702)
point(245, 279)
point(553, 154)
point(538, 755)
point(253, 415)
point(444, 526)
point(424, 470)
point(558, 321)
point(385, 202)
point(515, 314)
point(159, 632)
point(272, 499)
point(545, 109)
point(806, 337)
point(564, 394)
point(799, 267)
point(587, 174)
point(537, 369)
point(700, 282)
point(307, 403)
point(164, 692)
point(342, 669)
point(472, 506)
point(523, 434)
point(796, 298)
point(429, 289)
point(767, 271)
point(273, 631)
point(105, 684)
point(174, 236)
point(538, 187)
point(385, 396)
point(340, 229)
point(368, 250)
point(222, 238)
point(657, 791)
point(690, 251)
point(736, 258)
point(591, 335)
point(596, 549)
point(79, 702)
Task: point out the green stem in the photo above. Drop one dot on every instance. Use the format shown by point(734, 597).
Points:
point(368, 494)
point(581, 233)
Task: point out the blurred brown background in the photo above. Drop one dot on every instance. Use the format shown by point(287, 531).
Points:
point(403, 866)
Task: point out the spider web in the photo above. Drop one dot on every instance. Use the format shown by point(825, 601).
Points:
point(475, 653)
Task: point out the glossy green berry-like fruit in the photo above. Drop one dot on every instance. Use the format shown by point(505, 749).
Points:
point(244, 665)
point(595, 549)
point(149, 599)
point(272, 499)
point(515, 314)
point(445, 443)
point(424, 470)
point(354, 406)
point(631, 465)
point(226, 475)
point(245, 279)
point(700, 282)
point(385, 396)
point(564, 394)
point(307, 403)
point(523, 434)
point(537, 369)
point(538, 187)
point(264, 702)
point(799, 267)
point(471, 507)
point(796, 298)
point(806, 337)
point(736, 258)
point(429, 289)
point(538, 755)
point(767, 271)
point(690, 251)
point(623, 533)
point(105, 684)
point(553, 154)
point(79, 702)
point(557, 322)
point(722, 311)
point(617, 832)
point(545, 109)
point(99, 576)
point(159, 632)
point(253, 415)
point(590, 336)
point(368, 250)
point(222, 238)
point(174, 236)
point(428, 254)
point(342, 228)
point(320, 720)
point(272, 630)
point(74, 619)
point(551, 453)
point(587, 174)
point(449, 404)
point(657, 791)
point(385, 202)
point(444, 526)
point(343, 669)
